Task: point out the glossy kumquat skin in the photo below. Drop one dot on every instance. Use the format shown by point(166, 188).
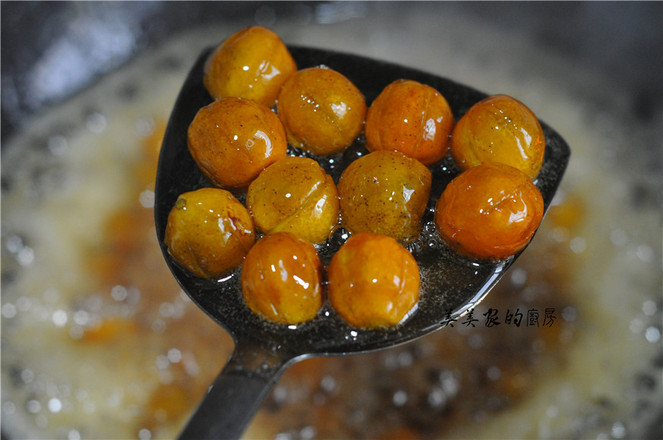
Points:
point(294, 195)
point(490, 211)
point(281, 279)
point(253, 63)
point(499, 129)
point(233, 139)
point(384, 192)
point(412, 118)
point(373, 281)
point(209, 232)
point(322, 110)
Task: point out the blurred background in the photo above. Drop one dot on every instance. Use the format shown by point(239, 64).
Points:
point(92, 347)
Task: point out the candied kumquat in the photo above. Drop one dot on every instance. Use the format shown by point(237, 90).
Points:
point(294, 195)
point(281, 279)
point(253, 63)
point(412, 118)
point(322, 110)
point(384, 192)
point(209, 232)
point(373, 281)
point(499, 129)
point(490, 211)
point(233, 139)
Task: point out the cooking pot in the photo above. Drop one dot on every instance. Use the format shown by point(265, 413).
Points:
point(98, 342)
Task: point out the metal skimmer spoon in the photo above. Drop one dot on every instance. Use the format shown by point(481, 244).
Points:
point(451, 285)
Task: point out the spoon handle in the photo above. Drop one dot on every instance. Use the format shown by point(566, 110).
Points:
point(234, 397)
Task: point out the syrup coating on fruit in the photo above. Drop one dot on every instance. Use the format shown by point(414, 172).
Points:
point(412, 118)
point(253, 63)
point(499, 129)
point(490, 211)
point(322, 110)
point(234, 139)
